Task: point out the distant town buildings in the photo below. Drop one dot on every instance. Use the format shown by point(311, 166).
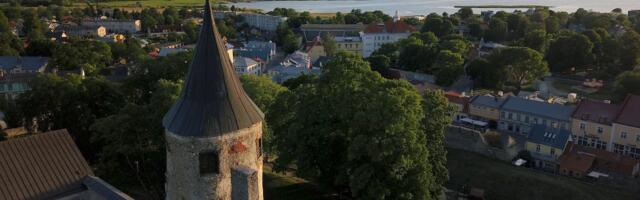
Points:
point(67, 30)
point(298, 59)
point(347, 36)
point(315, 49)
point(49, 166)
point(377, 34)
point(263, 22)
point(518, 115)
point(257, 50)
point(115, 25)
point(16, 72)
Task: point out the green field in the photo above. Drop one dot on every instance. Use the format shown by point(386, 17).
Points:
point(501, 180)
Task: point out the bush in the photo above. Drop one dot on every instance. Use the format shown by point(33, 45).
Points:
point(493, 139)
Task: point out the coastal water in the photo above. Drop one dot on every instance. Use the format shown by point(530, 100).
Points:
point(423, 7)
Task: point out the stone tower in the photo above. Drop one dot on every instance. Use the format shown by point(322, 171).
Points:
point(214, 130)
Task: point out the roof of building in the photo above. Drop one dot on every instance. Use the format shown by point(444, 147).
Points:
point(549, 136)
point(543, 109)
point(576, 161)
point(212, 102)
point(603, 161)
point(489, 101)
point(316, 42)
point(389, 27)
point(167, 51)
point(630, 112)
point(26, 62)
point(244, 61)
point(44, 166)
point(598, 112)
point(459, 99)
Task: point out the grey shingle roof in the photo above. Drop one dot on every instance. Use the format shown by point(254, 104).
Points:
point(244, 62)
point(553, 111)
point(554, 137)
point(212, 102)
point(489, 101)
point(27, 62)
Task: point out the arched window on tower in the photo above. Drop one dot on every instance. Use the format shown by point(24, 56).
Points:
point(209, 163)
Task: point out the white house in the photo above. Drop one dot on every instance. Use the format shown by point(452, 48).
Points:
point(377, 34)
point(244, 65)
point(263, 22)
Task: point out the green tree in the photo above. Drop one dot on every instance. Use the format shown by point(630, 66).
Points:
point(10, 44)
point(570, 50)
point(89, 55)
point(41, 47)
point(4, 23)
point(630, 46)
point(627, 83)
point(371, 121)
point(497, 30)
point(485, 74)
point(536, 40)
point(448, 67)
point(552, 24)
point(438, 25)
point(32, 26)
point(455, 46)
point(436, 119)
point(520, 66)
point(379, 63)
point(330, 45)
point(262, 90)
point(465, 13)
point(287, 39)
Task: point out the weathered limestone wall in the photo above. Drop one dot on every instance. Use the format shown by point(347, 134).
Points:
point(239, 148)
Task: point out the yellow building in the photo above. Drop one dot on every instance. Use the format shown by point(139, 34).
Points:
point(546, 144)
point(350, 44)
point(626, 128)
point(591, 124)
point(486, 108)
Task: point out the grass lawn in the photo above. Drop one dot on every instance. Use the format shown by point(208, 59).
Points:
point(281, 187)
point(501, 180)
point(605, 93)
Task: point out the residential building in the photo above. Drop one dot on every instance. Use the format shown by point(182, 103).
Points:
point(592, 124)
point(350, 44)
point(311, 31)
point(486, 108)
point(377, 34)
point(263, 22)
point(166, 51)
point(264, 51)
point(283, 73)
point(579, 161)
point(633, 14)
point(115, 25)
point(16, 72)
point(461, 104)
point(49, 166)
point(67, 30)
point(546, 144)
point(485, 48)
point(315, 49)
point(518, 115)
point(244, 65)
point(214, 130)
point(298, 59)
point(626, 128)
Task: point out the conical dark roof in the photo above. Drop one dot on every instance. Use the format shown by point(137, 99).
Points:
point(212, 102)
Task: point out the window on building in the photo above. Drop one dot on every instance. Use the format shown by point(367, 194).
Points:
point(618, 148)
point(544, 121)
point(209, 163)
point(259, 145)
point(510, 116)
point(623, 135)
point(502, 115)
point(552, 151)
point(538, 148)
point(600, 130)
point(535, 120)
point(526, 119)
point(554, 124)
point(518, 117)
point(583, 126)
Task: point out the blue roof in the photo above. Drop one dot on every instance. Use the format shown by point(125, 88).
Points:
point(543, 109)
point(27, 62)
point(490, 101)
point(554, 137)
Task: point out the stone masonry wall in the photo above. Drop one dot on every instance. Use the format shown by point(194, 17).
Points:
point(239, 148)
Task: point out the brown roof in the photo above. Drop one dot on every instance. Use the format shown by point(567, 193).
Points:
point(598, 112)
point(457, 98)
point(41, 166)
point(630, 112)
point(389, 27)
point(576, 160)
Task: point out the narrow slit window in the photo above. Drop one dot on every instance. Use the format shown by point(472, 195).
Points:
point(209, 163)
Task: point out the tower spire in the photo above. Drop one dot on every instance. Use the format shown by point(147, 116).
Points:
point(212, 101)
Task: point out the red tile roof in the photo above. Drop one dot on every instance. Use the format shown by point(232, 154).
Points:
point(457, 98)
point(598, 112)
point(389, 27)
point(630, 112)
point(575, 160)
point(41, 166)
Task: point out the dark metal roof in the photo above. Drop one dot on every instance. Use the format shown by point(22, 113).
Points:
point(212, 102)
point(41, 166)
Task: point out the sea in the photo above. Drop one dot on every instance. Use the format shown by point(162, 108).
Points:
point(424, 7)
